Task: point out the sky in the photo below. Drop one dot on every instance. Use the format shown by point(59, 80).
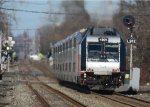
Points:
point(32, 21)
point(28, 20)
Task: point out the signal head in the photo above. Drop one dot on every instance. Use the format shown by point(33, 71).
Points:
point(129, 21)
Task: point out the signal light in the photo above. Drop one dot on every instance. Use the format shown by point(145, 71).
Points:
point(129, 24)
point(129, 21)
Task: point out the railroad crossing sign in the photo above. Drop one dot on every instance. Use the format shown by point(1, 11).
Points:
point(131, 40)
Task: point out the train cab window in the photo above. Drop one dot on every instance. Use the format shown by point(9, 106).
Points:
point(63, 46)
point(60, 67)
point(53, 66)
point(94, 47)
point(94, 50)
point(56, 66)
point(70, 43)
point(63, 67)
point(66, 45)
point(59, 49)
point(53, 50)
point(66, 66)
point(56, 49)
point(70, 67)
point(74, 42)
point(112, 51)
point(74, 65)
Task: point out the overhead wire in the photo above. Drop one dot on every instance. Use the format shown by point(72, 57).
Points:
point(25, 2)
point(24, 29)
point(32, 11)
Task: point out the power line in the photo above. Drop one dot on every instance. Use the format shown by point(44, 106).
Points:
point(26, 2)
point(25, 29)
point(31, 11)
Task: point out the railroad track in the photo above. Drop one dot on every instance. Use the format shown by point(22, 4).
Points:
point(64, 96)
point(125, 100)
point(40, 98)
point(115, 98)
point(43, 101)
point(133, 101)
point(118, 99)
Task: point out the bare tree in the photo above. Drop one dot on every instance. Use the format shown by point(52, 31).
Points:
point(5, 17)
point(140, 11)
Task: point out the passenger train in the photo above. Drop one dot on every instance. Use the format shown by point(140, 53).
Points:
point(92, 57)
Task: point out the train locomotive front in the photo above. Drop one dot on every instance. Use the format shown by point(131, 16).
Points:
point(93, 57)
point(102, 62)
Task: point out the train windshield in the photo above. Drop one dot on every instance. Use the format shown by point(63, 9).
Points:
point(95, 50)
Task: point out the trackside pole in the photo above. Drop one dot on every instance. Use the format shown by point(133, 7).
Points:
point(8, 63)
point(131, 41)
point(131, 61)
point(0, 55)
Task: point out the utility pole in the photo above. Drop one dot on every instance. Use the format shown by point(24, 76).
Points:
point(131, 41)
point(131, 61)
point(0, 55)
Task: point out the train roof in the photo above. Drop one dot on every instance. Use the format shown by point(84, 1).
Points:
point(93, 33)
point(110, 33)
point(74, 35)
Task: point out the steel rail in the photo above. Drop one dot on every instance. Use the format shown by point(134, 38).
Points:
point(28, 83)
point(114, 100)
point(127, 101)
point(136, 101)
point(71, 100)
point(40, 98)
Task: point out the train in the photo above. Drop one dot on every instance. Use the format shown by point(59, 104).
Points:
point(91, 57)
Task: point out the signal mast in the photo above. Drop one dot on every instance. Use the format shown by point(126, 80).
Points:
point(129, 22)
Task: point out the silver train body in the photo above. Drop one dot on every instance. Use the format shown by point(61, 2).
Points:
point(93, 57)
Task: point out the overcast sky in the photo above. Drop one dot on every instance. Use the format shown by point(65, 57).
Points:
point(32, 21)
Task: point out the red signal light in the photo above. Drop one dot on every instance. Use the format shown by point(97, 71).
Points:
point(129, 23)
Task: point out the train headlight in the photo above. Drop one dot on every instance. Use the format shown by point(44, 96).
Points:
point(90, 70)
point(115, 70)
point(84, 75)
point(118, 70)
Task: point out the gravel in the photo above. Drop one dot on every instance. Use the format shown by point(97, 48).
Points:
point(87, 99)
point(52, 98)
point(15, 93)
